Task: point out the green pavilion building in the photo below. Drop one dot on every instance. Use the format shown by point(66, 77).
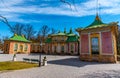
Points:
point(17, 44)
point(62, 43)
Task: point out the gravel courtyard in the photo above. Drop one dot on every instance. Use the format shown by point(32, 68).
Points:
point(62, 67)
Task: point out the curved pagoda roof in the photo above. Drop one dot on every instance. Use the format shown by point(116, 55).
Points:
point(71, 33)
point(96, 23)
point(59, 34)
point(71, 37)
point(18, 38)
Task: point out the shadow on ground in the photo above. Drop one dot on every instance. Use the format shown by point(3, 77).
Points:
point(73, 62)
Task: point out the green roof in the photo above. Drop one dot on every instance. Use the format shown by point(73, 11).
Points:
point(19, 38)
point(72, 38)
point(96, 23)
point(61, 34)
point(48, 40)
point(71, 34)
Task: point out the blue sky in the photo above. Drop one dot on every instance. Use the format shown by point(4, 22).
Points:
point(57, 14)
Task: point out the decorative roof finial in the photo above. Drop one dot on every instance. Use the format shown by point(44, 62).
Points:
point(59, 31)
point(97, 11)
point(71, 30)
point(15, 34)
point(64, 30)
point(97, 18)
point(23, 36)
point(97, 7)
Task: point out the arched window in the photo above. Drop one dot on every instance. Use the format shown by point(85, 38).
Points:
point(21, 48)
point(26, 47)
point(15, 47)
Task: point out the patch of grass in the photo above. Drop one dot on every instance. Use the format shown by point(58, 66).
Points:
point(9, 65)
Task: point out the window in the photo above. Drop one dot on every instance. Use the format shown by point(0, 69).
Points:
point(95, 45)
point(38, 48)
point(26, 47)
point(72, 47)
point(62, 38)
point(55, 38)
point(15, 47)
point(55, 48)
point(62, 48)
point(21, 48)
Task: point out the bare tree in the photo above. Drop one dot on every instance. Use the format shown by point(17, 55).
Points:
point(66, 2)
point(17, 29)
point(43, 32)
point(29, 31)
point(71, 3)
point(2, 42)
point(4, 20)
point(53, 31)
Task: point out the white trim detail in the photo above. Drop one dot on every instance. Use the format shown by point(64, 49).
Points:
point(100, 42)
point(105, 31)
point(112, 43)
point(96, 32)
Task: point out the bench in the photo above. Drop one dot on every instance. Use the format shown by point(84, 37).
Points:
point(34, 60)
point(26, 59)
point(30, 60)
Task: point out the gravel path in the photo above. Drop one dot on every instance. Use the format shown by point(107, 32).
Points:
point(64, 67)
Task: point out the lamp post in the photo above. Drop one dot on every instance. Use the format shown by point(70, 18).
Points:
point(40, 56)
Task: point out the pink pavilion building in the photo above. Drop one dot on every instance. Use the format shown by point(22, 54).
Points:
point(98, 41)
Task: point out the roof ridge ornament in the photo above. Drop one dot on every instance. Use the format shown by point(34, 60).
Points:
point(15, 34)
point(23, 35)
point(71, 31)
point(97, 17)
point(59, 31)
point(97, 11)
point(64, 30)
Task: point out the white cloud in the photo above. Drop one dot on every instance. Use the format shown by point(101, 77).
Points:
point(8, 9)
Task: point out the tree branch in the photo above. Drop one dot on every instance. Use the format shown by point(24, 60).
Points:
point(4, 20)
point(64, 1)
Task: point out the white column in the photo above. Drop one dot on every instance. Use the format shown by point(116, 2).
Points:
point(89, 43)
point(112, 37)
